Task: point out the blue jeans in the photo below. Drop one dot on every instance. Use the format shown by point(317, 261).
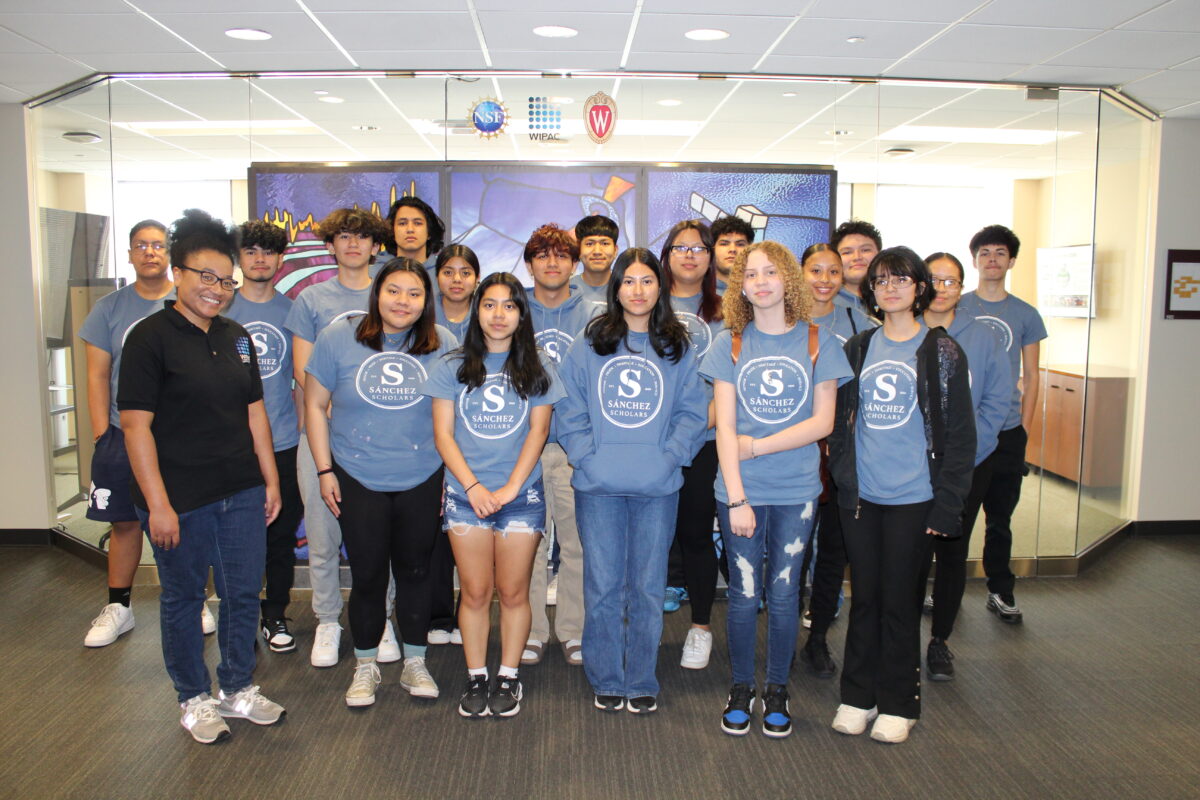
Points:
point(781, 534)
point(229, 535)
point(625, 543)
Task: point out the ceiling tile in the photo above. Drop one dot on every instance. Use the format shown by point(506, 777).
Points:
point(827, 37)
point(76, 33)
point(691, 62)
point(664, 32)
point(1086, 76)
point(42, 71)
point(290, 32)
point(514, 31)
point(551, 7)
point(551, 60)
point(1000, 43)
point(1180, 15)
point(1124, 48)
point(391, 31)
point(82, 7)
point(769, 8)
point(1095, 14)
point(223, 7)
point(1172, 83)
point(953, 70)
point(328, 58)
point(393, 59)
point(819, 65)
point(13, 43)
point(924, 11)
point(148, 62)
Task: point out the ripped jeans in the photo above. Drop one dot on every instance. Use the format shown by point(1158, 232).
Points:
point(780, 535)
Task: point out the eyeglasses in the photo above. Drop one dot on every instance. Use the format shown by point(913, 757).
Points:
point(142, 247)
point(899, 281)
point(949, 283)
point(212, 278)
point(683, 249)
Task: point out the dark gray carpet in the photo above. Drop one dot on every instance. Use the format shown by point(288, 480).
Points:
point(1096, 696)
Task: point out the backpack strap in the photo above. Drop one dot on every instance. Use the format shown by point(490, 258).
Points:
point(737, 347)
point(814, 343)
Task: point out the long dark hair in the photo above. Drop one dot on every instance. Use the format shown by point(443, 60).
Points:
point(668, 336)
point(422, 337)
point(899, 261)
point(710, 301)
point(523, 367)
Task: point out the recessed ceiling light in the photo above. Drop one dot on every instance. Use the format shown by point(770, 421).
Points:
point(329, 98)
point(789, 94)
point(856, 39)
point(899, 152)
point(670, 102)
point(706, 35)
point(248, 34)
point(838, 132)
point(364, 127)
point(319, 92)
point(555, 31)
point(81, 137)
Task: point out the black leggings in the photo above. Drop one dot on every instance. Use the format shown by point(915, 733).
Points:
point(389, 528)
point(887, 546)
point(281, 537)
point(951, 578)
point(694, 532)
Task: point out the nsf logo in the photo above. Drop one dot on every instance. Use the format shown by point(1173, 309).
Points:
point(489, 117)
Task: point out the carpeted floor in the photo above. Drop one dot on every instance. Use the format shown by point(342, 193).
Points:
point(1097, 695)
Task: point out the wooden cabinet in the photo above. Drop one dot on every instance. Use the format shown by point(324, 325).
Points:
point(1081, 436)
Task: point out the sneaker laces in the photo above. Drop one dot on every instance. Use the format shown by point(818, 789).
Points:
point(204, 710)
point(420, 672)
point(693, 645)
point(366, 676)
point(941, 650)
point(107, 616)
point(740, 696)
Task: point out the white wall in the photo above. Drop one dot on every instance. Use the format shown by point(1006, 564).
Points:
point(1170, 475)
point(26, 497)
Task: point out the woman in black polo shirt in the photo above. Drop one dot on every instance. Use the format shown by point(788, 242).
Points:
point(205, 484)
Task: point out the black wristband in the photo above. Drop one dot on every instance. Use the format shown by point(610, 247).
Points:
point(472, 486)
point(325, 471)
point(743, 502)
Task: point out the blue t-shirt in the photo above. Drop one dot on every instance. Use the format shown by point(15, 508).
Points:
point(459, 329)
point(107, 325)
point(1018, 324)
point(702, 334)
point(381, 430)
point(491, 421)
point(722, 285)
point(893, 468)
point(322, 303)
point(990, 376)
point(774, 380)
point(849, 299)
point(845, 322)
point(591, 294)
point(266, 324)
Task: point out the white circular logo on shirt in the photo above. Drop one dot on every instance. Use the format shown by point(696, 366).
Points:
point(390, 381)
point(631, 391)
point(554, 342)
point(888, 394)
point(493, 410)
point(1001, 327)
point(772, 388)
point(698, 332)
point(270, 345)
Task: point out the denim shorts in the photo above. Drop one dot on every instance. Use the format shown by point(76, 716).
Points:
point(526, 513)
point(109, 497)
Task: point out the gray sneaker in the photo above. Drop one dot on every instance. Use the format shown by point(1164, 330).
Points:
point(201, 719)
point(249, 704)
point(1005, 608)
point(416, 679)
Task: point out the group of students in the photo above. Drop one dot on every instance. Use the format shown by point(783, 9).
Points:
point(428, 418)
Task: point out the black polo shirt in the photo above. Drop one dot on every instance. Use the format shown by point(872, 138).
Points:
point(198, 386)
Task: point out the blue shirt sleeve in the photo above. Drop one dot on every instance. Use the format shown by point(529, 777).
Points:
point(322, 364)
point(573, 422)
point(300, 321)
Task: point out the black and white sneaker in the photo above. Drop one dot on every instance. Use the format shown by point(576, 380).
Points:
point(1004, 607)
point(927, 606)
point(736, 718)
point(277, 636)
point(474, 702)
point(777, 717)
point(939, 661)
point(815, 656)
point(642, 705)
point(505, 700)
point(609, 702)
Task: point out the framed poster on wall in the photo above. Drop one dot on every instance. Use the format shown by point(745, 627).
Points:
point(1183, 284)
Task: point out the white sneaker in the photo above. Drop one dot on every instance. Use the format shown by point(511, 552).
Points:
point(456, 636)
point(389, 648)
point(114, 620)
point(366, 680)
point(891, 729)
point(250, 704)
point(437, 636)
point(208, 623)
point(416, 680)
point(326, 643)
point(696, 649)
point(852, 720)
point(201, 719)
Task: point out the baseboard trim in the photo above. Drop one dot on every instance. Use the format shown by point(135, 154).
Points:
point(1165, 527)
point(24, 537)
point(80, 549)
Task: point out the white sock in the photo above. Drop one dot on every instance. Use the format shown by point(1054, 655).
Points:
point(506, 672)
point(478, 673)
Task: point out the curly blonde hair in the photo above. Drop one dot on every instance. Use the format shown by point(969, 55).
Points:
point(797, 297)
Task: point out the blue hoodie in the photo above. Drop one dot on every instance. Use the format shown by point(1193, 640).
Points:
point(991, 379)
point(556, 329)
point(630, 420)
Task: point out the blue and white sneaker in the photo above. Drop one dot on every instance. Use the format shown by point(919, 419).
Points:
point(673, 598)
point(777, 717)
point(736, 719)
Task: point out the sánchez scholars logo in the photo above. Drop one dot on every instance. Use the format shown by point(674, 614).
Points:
point(600, 117)
point(489, 117)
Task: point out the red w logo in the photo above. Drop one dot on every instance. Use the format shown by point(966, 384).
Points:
point(600, 119)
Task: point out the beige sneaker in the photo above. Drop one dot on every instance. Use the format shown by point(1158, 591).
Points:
point(852, 720)
point(366, 680)
point(416, 679)
point(891, 729)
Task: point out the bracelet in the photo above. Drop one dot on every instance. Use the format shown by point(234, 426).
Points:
point(472, 486)
point(752, 454)
point(325, 471)
point(744, 501)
